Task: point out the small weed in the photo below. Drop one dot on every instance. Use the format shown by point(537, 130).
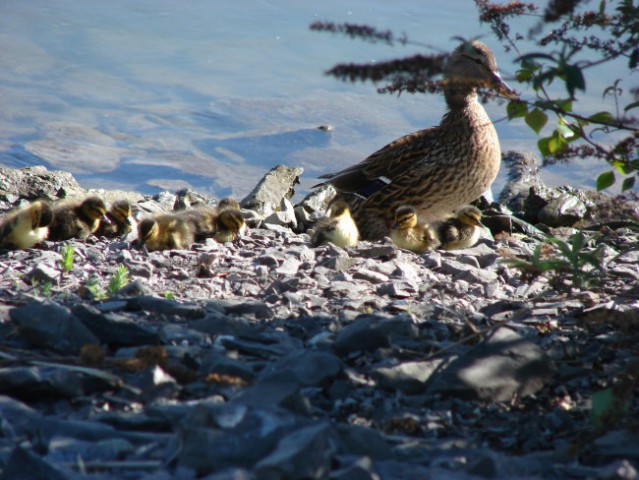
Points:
point(562, 261)
point(45, 288)
point(68, 257)
point(118, 280)
point(95, 289)
point(169, 295)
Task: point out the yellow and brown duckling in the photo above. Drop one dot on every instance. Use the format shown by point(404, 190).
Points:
point(439, 169)
point(76, 218)
point(165, 232)
point(119, 220)
point(460, 231)
point(409, 234)
point(25, 226)
point(338, 228)
point(200, 220)
point(227, 203)
point(230, 225)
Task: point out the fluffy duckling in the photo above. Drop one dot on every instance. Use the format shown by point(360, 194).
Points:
point(165, 232)
point(227, 203)
point(119, 216)
point(25, 226)
point(76, 219)
point(462, 230)
point(229, 224)
point(200, 220)
point(408, 234)
point(338, 228)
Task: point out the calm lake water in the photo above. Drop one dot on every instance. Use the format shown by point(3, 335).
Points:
point(150, 95)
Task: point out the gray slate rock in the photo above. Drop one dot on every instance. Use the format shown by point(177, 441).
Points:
point(409, 377)
point(274, 187)
point(505, 364)
point(40, 382)
point(371, 332)
point(50, 326)
point(116, 330)
point(305, 453)
point(311, 368)
point(26, 465)
point(38, 182)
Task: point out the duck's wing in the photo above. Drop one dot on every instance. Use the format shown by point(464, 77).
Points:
point(387, 164)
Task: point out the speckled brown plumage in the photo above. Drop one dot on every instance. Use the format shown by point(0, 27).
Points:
point(119, 220)
point(438, 169)
point(76, 218)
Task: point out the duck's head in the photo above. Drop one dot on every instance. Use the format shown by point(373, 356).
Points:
point(121, 212)
point(472, 64)
point(470, 216)
point(232, 220)
point(405, 217)
point(94, 208)
point(338, 208)
point(148, 229)
point(41, 214)
point(228, 202)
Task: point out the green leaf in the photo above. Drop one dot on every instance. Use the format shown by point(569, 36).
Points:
point(628, 183)
point(536, 119)
point(542, 145)
point(622, 167)
point(605, 180)
point(565, 132)
point(516, 109)
point(631, 106)
point(557, 143)
point(602, 117)
point(574, 79)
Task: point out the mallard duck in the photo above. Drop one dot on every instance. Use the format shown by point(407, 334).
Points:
point(229, 225)
point(76, 218)
point(119, 220)
point(438, 169)
point(338, 228)
point(460, 231)
point(408, 234)
point(165, 232)
point(25, 226)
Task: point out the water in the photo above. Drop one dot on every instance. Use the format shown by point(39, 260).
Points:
point(158, 94)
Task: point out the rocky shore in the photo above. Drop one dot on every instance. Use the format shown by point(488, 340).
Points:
point(269, 359)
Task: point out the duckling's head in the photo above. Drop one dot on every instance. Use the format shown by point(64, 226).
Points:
point(41, 214)
point(405, 217)
point(232, 220)
point(470, 216)
point(94, 208)
point(228, 202)
point(472, 64)
point(339, 208)
point(121, 211)
point(148, 230)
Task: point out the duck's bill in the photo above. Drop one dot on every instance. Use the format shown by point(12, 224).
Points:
point(502, 88)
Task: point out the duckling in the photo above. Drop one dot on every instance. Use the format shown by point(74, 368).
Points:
point(76, 219)
point(166, 232)
point(201, 219)
point(338, 228)
point(226, 203)
point(439, 169)
point(460, 231)
point(25, 226)
point(119, 223)
point(229, 225)
point(406, 233)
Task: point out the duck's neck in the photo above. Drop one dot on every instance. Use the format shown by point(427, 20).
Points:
point(460, 97)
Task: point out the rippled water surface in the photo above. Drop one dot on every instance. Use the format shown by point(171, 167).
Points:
point(148, 95)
